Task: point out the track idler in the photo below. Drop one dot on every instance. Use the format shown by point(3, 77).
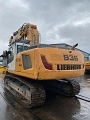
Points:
point(67, 87)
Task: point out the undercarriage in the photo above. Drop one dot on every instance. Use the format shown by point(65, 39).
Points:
point(33, 93)
point(28, 92)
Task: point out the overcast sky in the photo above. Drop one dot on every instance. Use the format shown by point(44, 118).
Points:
point(58, 21)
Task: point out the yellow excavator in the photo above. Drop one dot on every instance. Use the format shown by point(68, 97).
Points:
point(87, 66)
point(34, 68)
point(2, 69)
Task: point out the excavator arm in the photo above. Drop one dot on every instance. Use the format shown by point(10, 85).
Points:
point(26, 32)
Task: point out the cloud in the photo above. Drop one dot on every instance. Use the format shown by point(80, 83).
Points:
point(58, 21)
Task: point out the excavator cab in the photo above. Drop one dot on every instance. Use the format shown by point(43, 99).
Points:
point(15, 48)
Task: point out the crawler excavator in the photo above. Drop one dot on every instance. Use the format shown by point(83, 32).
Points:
point(34, 68)
point(87, 66)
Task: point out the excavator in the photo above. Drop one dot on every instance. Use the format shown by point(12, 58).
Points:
point(2, 69)
point(87, 66)
point(34, 68)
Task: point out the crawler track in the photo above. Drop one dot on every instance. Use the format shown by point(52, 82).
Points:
point(30, 93)
point(67, 87)
point(33, 93)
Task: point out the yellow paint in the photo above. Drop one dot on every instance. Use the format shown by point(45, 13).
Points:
point(2, 69)
point(28, 31)
point(87, 65)
point(53, 56)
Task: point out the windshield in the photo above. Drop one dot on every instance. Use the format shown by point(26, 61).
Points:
point(21, 48)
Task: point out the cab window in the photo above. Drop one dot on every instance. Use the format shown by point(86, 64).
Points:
point(21, 48)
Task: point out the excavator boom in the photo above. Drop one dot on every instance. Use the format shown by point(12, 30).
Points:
point(27, 32)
